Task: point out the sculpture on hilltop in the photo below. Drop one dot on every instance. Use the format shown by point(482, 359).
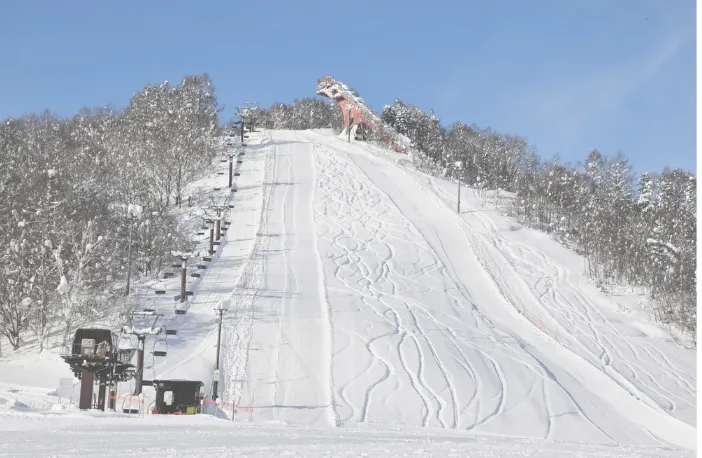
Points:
point(358, 117)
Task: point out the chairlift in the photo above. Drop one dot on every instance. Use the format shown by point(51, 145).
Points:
point(240, 161)
point(215, 242)
point(171, 332)
point(220, 173)
point(188, 293)
point(176, 266)
point(231, 205)
point(217, 189)
point(181, 308)
point(195, 274)
point(148, 310)
point(199, 233)
point(160, 291)
point(223, 160)
point(160, 347)
point(236, 174)
point(207, 259)
point(202, 266)
point(169, 274)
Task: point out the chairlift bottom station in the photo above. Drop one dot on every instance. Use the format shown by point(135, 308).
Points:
point(95, 358)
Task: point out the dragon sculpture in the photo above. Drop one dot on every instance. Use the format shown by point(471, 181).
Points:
point(356, 114)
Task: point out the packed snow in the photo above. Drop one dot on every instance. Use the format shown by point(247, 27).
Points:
point(368, 317)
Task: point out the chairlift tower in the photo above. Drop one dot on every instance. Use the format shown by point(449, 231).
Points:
point(183, 257)
point(141, 334)
point(219, 211)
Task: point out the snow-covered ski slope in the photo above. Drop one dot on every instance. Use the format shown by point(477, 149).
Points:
point(371, 318)
point(375, 302)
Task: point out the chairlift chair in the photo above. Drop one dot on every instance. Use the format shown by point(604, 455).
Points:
point(160, 347)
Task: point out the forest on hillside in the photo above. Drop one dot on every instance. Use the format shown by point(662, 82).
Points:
point(68, 185)
point(632, 230)
point(72, 190)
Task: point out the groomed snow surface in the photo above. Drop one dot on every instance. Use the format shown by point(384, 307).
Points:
point(369, 318)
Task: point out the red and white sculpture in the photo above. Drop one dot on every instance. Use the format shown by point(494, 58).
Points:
point(356, 114)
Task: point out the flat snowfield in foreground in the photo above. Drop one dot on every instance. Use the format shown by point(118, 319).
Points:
point(25, 434)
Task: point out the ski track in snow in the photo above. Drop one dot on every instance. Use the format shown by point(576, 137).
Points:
point(369, 288)
point(352, 207)
point(579, 321)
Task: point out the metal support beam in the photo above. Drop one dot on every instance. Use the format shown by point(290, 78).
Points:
point(87, 378)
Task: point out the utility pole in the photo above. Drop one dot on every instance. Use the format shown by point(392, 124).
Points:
point(221, 308)
point(134, 212)
point(458, 203)
point(459, 166)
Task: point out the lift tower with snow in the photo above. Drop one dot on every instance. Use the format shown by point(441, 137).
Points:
point(141, 334)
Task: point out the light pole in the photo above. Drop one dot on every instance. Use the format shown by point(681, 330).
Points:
point(134, 212)
point(459, 166)
point(221, 308)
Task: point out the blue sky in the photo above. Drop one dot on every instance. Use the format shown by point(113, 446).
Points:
point(570, 76)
